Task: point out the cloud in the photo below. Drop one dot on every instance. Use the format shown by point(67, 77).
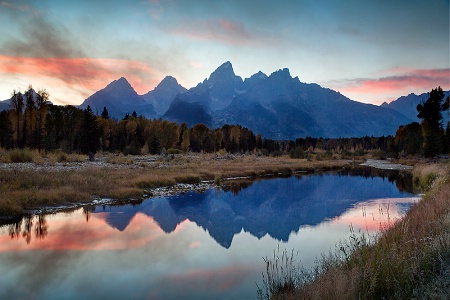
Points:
point(15, 6)
point(196, 64)
point(402, 81)
point(89, 74)
point(205, 280)
point(223, 30)
point(40, 38)
point(76, 234)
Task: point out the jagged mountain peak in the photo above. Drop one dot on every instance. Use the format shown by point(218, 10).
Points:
point(163, 94)
point(119, 84)
point(168, 80)
point(120, 98)
point(281, 73)
point(259, 75)
point(223, 72)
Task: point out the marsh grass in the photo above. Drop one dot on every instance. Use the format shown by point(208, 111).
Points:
point(400, 262)
point(70, 178)
point(119, 159)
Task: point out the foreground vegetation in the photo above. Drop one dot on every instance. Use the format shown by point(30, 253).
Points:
point(410, 260)
point(57, 178)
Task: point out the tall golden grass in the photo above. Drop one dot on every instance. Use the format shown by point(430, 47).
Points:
point(399, 264)
point(70, 178)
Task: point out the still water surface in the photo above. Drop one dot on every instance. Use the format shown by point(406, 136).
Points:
point(192, 246)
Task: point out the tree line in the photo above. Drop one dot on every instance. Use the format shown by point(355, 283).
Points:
point(429, 137)
point(35, 123)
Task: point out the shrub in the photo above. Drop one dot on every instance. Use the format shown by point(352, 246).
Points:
point(297, 153)
point(174, 151)
point(188, 179)
point(276, 153)
point(21, 156)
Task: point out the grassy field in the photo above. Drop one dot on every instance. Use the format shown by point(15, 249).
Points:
point(29, 180)
point(410, 260)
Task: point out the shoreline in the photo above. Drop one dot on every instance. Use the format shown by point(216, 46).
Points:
point(386, 165)
point(165, 191)
point(172, 189)
point(46, 185)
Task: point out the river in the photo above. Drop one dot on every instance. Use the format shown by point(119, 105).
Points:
point(197, 245)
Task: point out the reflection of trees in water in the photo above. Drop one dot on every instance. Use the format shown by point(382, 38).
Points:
point(41, 227)
point(24, 228)
point(236, 186)
point(87, 211)
point(28, 224)
point(15, 229)
point(403, 180)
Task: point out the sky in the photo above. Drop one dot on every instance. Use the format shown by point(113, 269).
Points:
point(370, 51)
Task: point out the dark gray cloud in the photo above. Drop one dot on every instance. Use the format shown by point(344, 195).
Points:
point(37, 36)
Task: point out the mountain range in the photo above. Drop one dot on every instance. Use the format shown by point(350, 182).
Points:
point(278, 106)
point(407, 105)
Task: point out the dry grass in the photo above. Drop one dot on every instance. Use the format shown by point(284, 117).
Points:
point(123, 177)
point(403, 263)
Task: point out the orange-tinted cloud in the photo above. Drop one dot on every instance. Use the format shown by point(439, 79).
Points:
point(403, 81)
point(415, 79)
point(77, 234)
point(85, 75)
point(374, 215)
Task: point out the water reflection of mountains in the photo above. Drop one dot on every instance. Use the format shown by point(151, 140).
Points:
point(276, 207)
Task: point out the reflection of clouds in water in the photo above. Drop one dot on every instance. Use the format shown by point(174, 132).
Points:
point(26, 276)
point(208, 282)
point(376, 214)
point(137, 258)
point(74, 233)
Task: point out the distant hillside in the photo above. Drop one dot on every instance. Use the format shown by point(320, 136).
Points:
point(406, 105)
point(4, 105)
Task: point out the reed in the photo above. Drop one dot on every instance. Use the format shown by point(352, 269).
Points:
point(403, 261)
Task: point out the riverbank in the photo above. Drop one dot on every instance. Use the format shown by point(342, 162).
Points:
point(410, 260)
point(59, 181)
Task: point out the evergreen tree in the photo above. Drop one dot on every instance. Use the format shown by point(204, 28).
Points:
point(105, 114)
point(17, 103)
point(431, 113)
point(90, 134)
point(153, 145)
point(6, 130)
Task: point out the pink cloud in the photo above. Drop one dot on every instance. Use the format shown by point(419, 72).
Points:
point(86, 75)
point(196, 64)
point(402, 81)
point(227, 31)
point(76, 234)
point(195, 244)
